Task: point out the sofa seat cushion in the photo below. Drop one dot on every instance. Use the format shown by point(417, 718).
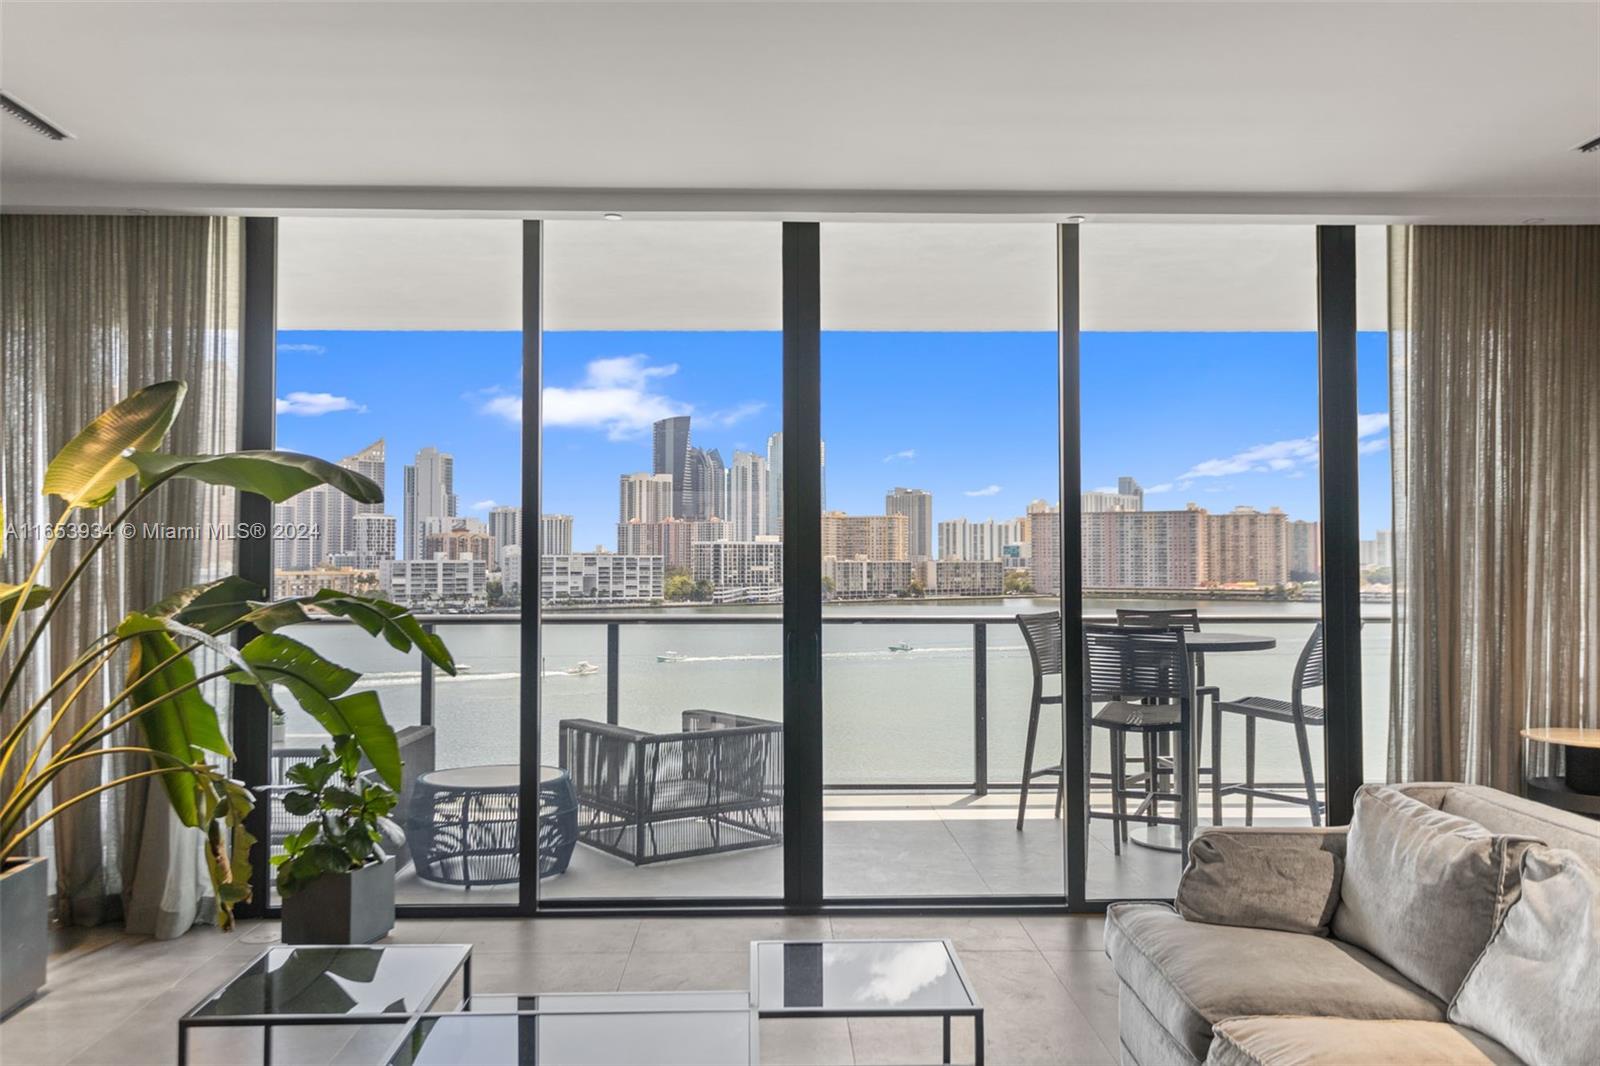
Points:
point(1301, 1041)
point(1191, 975)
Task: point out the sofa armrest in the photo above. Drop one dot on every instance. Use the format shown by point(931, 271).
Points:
point(1264, 878)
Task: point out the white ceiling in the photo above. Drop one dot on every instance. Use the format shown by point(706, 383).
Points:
point(1272, 111)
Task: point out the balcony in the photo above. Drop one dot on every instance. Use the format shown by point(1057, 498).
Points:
point(923, 743)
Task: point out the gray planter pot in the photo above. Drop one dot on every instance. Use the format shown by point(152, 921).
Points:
point(352, 908)
point(25, 917)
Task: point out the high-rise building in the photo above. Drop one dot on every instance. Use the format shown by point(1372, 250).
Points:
point(511, 568)
point(866, 536)
point(962, 577)
point(1246, 546)
point(739, 569)
point(430, 498)
point(708, 485)
point(459, 544)
point(319, 523)
point(747, 496)
point(775, 484)
point(917, 506)
point(1305, 550)
point(505, 529)
point(375, 536)
point(1044, 524)
point(867, 579)
point(555, 534)
point(1127, 497)
point(962, 539)
point(434, 582)
point(601, 576)
point(646, 498)
point(671, 457)
point(1144, 549)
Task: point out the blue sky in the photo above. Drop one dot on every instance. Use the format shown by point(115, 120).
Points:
point(1219, 419)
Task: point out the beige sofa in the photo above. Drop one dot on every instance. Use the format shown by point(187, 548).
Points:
point(1271, 951)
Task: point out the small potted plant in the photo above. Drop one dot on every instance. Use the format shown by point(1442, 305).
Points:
point(335, 876)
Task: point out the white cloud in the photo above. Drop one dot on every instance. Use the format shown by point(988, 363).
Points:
point(309, 349)
point(987, 490)
point(1369, 424)
point(618, 395)
point(1165, 486)
point(1372, 447)
point(482, 505)
point(905, 453)
point(1285, 456)
point(312, 404)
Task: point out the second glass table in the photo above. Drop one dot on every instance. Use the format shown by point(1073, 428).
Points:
point(864, 978)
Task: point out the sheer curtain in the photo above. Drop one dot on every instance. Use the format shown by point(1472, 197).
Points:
point(95, 307)
point(1495, 375)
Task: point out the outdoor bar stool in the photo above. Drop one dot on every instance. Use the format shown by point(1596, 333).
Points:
point(1042, 634)
point(1187, 618)
point(1145, 679)
point(1307, 674)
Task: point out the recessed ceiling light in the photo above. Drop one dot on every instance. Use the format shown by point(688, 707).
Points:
point(31, 118)
point(1533, 222)
point(612, 216)
point(1075, 219)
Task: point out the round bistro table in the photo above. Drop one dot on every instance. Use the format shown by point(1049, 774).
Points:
point(463, 824)
point(1170, 837)
point(1578, 789)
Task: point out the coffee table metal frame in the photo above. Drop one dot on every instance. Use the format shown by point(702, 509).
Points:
point(268, 1022)
point(554, 1010)
point(973, 1011)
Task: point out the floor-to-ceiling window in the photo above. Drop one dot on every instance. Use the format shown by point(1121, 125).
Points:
point(939, 419)
point(1200, 511)
point(398, 343)
point(661, 560)
point(1376, 552)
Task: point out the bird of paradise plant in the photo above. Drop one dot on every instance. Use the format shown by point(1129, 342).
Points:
point(161, 701)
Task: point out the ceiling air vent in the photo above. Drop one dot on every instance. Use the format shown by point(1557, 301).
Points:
point(1590, 146)
point(31, 119)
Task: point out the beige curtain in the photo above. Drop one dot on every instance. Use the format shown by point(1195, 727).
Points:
point(95, 307)
point(1495, 380)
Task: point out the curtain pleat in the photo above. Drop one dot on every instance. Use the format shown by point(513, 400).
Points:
point(94, 308)
point(1495, 411)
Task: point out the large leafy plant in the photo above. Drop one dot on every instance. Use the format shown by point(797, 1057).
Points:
point(347, 817)
point(160, 712)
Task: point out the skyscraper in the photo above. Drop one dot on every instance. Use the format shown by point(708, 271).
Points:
point(326, 516)
point(505, 529)
point(671, 456)
point(748, 495)
point(646, 497)
point(1128, 497)
point(775, 484)
point(708, 485)
point(917, 506)
point(430, 498)
point(555, 534)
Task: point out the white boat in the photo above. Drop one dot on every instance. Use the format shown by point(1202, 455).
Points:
point(584, 669)
point(670, 657)
point(900, 646)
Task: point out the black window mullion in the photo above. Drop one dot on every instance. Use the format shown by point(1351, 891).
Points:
point(529, 538)
point(1074, 734)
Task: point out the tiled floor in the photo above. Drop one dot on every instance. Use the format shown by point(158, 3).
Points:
point(1047, 988)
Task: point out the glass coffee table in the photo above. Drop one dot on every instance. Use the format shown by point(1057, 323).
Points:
point(864, 978)
point(345, 985)
point(584, 1029)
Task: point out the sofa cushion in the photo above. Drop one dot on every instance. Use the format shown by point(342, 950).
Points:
point(1423, 890)
point(1501, 812)
point(1191, 975)
point(1533, 988)
point(1262, 878)
point(1339, 1042)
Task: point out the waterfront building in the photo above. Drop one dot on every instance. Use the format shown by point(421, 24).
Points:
point(1127, 496)
point(775, 484)
point(917, 506)
point(867, 579)
point(429, 498)
point(1249, 547)
point(962, 539)
point(867, 536)
point(375, 538)
point(708, 486)
point(505, 528)
point(291, 583)
point(461, 542)
point(963, 577)
point(1379, 551)
point(1143, 549)
point(555, 534)
point(511, 569)
point(748, 496)
point(436, 582)
point(1044, 536)
point(670, 456)
point(603, 577)
point(320, 522)
point(739, 564)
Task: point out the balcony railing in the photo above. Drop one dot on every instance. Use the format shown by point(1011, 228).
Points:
point(980, 782)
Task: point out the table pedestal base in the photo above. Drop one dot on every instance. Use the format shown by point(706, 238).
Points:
point(1583, 769)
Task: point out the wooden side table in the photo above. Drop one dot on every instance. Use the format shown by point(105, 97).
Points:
point(1578, 789)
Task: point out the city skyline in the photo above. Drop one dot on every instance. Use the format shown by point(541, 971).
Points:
point(1236, 408)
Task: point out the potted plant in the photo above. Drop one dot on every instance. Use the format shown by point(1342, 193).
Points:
point(161, 713)
point(336, 879)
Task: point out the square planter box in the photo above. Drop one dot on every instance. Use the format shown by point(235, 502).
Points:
point(25, 917)
point(352, 908)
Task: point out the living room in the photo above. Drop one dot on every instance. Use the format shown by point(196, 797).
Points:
point(873, 375)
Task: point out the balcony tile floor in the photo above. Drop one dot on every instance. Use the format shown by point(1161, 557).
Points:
point(1048, 990)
